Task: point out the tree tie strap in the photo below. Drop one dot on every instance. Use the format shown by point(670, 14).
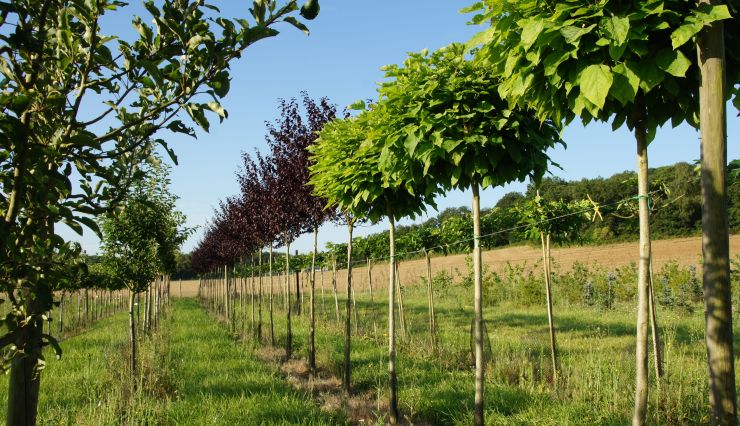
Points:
point(649, 199)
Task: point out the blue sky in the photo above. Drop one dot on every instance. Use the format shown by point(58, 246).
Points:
point(341, 59)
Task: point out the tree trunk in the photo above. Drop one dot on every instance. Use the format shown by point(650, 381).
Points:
point(24, 383)
point(392, 378)
point(643, 283)
point(312, 307)
point(132, 337)
point(289, 337)
point(715, 239)
point(323, 299)
point(478, 418)
point(61, 315)
point(657, 355)
point(401, 311)
point(297, 291)
point(348, 317)
point(354, 310)
point(430, 301)
point(334, 285)
point(272, 324)
point(548, 295)
point(259, 302)
point(370, 277)
point(251, 302)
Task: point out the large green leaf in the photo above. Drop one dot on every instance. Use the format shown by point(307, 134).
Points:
point(596, 80)
point(673, 62)
point(617, 28)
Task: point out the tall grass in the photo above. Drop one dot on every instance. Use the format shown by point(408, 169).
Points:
point(596, 342)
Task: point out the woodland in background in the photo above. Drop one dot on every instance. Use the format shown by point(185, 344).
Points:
point(678, 214)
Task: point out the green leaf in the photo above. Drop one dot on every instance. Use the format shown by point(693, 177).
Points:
point(531, 29)
point(673, 62)
point(296, 23)
point(357, 105)
point(625, 85)
point(650, 75)
point(596, 80)
point(617, 28)
point(481, 38)
point(573, 34)
point(218, 109)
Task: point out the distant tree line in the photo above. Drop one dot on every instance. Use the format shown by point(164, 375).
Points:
point(676, 211)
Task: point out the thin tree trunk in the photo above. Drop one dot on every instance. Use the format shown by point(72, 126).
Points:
point(354, 309)
point(251, 302)
point(548, 294)
point(657, 355)
point(259, 302)
point(715, 240)
point(370, 277)
point(323, 299)
point(643, 282)
point(334, 285)
point(272, 324)
point(348, 318)
point(61, 315)
point(430, 301)
point(392, 377)
point(132, 337)
point(401, 310)
point(312, 307)
point(478, 418)
point(297, 291)
point(289, 337)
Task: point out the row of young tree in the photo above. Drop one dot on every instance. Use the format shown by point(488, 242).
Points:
point(462, 119)
point(79, 103)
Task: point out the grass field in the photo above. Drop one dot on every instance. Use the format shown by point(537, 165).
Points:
point(436, 385)
point(193, 373)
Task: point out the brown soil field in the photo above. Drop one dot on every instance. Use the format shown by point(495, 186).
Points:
point(685, 251)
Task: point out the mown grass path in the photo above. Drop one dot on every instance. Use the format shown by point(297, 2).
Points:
point(194, 373)
point(219, 383)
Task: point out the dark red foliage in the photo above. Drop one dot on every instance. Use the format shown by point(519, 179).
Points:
point(276, 205)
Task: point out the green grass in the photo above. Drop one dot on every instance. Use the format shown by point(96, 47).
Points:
point(219, 383)
point(597, 361)
point(192, 373)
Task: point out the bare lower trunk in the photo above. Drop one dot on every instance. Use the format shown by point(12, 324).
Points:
point(348, 318)
point(430, 301)
point(289, 337)
point(24, 383)
point(657, 355)
point(392, 378)
point(643, 290)
point(399, 298)
point(132, 337)
point(334, 285)
point(548, 295)
point(272, 324)
point(370, 277)
point(259, 301)
point(715, 239)
point(478, 418)
point(312, 307)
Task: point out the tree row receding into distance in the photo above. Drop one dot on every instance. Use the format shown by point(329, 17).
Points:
point(458, 118)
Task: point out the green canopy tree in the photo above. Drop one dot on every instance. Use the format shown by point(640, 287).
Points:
point(452, 122)
point(545, 221)
point(346, 171)
point(141, 240)
point(624, 62)
point(77, 102)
